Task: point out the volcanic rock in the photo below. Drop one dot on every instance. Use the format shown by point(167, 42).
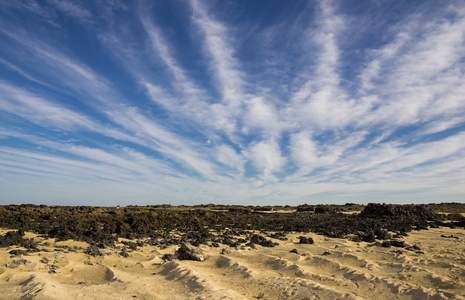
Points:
point(93, 251)
point(185, 253)
point(16, 263)
point(305, 240)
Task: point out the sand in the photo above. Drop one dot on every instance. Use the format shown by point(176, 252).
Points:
point(329, 269)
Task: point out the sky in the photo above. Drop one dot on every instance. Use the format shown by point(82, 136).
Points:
point(260, 102)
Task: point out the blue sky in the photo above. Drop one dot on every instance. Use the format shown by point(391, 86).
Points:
point(235, 102)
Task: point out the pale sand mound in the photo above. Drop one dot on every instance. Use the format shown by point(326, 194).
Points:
point(329, 269)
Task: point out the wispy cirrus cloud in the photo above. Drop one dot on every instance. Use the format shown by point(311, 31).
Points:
point(34, 109)
point(83, 80)
point(72, 9)
point(221, 54)
point(419, 67)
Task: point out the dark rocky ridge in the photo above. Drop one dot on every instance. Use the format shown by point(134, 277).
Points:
point(102, 226)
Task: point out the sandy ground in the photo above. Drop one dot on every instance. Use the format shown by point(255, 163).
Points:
point(329, 269)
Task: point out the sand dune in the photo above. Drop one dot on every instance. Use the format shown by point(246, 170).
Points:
point(328, 269)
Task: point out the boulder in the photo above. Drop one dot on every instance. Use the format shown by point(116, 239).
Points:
point(186, 253)
point(305, 240)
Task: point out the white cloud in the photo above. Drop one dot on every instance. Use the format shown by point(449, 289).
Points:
point(147, 132)
point(188, 103)
point(321, 102)
point(266, 157)
point(426, 153)
point(24, 74)
point(40, 111)
point(72, 9)
point(229, 157)
point(331, 25)
point(305, 152)
point(382, 57)
point(418, 71)
point(440, 125)
point(156, 137)
point(450, 102)
point(221, 54)
point(160, 45)
point(262, 115)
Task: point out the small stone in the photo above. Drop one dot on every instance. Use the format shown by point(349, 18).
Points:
point(16, 263)
point(185, 253)
point(18, 252)
point(305, 240)
point(93, 251)
point(225, 251)
point(167, 257)
point(124, 252)
point(57, 255)
point(44, 260)
point(54, 269)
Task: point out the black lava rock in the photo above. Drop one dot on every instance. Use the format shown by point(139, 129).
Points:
point(184, 253)
point(305, 240)
point(93, 251)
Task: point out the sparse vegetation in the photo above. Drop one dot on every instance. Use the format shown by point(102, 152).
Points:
point(457, 216)
point(451, 207)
